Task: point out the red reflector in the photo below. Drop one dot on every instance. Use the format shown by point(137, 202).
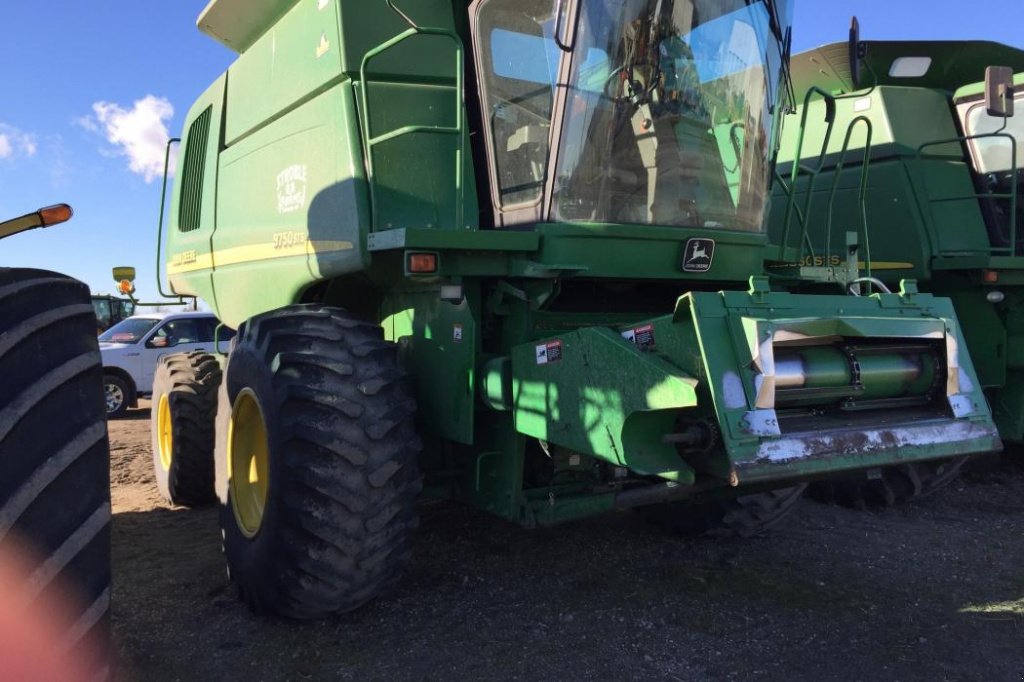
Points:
point(991, 276)
point(422, 262)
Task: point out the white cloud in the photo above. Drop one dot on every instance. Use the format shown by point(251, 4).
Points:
point(15, 143)
point(139, 133)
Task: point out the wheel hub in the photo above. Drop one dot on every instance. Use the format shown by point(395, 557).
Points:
point(114, 397)
point(248, 462)
point(165, 437)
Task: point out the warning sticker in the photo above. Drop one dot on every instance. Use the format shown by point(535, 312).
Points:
point(643, 336)
point(549, 352)
point(457, 333)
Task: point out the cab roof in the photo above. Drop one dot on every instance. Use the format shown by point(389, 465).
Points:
point(951, 64)
point(237, 24)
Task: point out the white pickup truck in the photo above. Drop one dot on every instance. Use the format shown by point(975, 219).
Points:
point(132, 348)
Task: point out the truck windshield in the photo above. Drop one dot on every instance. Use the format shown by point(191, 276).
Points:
point(128, 331)
point(669, 118)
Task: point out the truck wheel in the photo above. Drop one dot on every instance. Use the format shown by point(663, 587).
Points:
point(317, 462)
point(115, 391)
point(54, 458)
point(895, 485)
point(184, 408)
point(744, 516)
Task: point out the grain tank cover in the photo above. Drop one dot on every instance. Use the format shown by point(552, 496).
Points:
point(237, 24)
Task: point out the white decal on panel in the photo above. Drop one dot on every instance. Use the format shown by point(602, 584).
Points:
point(291, 189)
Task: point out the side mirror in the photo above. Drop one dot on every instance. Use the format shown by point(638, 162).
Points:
point(855, 52)
point(999, 91)
point(158, 342)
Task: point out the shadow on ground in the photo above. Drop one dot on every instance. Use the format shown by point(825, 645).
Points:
point(833, 594)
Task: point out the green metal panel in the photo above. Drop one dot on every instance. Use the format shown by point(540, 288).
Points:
point(895, 254)
point(595, 393)
point(645, 252)
point(292, 208)
point(440, 344)
point(985, 334)
point(294, 60)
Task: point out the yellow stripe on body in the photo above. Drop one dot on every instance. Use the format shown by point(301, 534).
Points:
point(191, 261)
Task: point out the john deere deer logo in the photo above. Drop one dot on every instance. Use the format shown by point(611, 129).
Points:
point(698, 254)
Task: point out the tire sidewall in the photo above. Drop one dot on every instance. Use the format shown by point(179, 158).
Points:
point(250, 560)
point(162, 385)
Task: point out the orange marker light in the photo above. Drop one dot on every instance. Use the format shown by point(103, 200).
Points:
point(58, 213)
point(125, 286)
point(423, 262)
point(991, 276)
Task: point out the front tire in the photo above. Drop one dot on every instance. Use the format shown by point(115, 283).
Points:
point(317, 462)
point(743, 516)
point(891, 487)
point(182, 426)
point(54, 459)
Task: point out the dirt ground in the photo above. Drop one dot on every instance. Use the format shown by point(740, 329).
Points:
point(933, 591)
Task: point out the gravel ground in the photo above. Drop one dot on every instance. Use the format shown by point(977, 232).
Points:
point(932, 591)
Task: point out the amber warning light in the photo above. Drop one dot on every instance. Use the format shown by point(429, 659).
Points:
point(422, 263)
point(52, 215)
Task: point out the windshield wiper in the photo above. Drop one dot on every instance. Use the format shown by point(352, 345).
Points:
point(774, 23)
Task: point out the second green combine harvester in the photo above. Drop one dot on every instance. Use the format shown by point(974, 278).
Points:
point(511, 252)
point(931, 126)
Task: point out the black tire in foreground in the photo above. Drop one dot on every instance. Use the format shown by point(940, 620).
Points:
point(889, 487)
point(55, 457)
point(184, 407)
point(743, 516)
point(317, 462)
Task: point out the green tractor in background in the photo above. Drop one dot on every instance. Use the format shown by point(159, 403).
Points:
point(54, 465)
point(512, 252)
point(110, 310)
point(914, 146)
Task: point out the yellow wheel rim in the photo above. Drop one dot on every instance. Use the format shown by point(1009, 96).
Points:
point(164, 432)
point(248, 460)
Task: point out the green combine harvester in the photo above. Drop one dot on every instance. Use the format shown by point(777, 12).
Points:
point(512, 252)
point(931, 128)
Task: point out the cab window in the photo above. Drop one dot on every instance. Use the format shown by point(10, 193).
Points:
point(519, 63)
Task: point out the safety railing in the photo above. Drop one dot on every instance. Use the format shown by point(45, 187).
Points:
point(458, 129)
point(813, 172)
point(1012, 227)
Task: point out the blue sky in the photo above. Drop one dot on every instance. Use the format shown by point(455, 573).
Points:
point(90, 90)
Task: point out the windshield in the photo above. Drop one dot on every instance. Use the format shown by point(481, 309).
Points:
point(129, 331)
point(104, 317)
point(669, 119)
point(994, 154)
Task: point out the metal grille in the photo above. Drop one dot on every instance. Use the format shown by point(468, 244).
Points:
point(191, 204)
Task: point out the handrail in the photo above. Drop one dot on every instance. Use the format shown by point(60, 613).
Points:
point(830, 119)
point(865, 163)
point(369, 141)
point(1012, 195)
point(160, 235)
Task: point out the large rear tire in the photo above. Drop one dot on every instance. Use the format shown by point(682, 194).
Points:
point(182, 425)
point(317, 462)
point(890, 487)
point(55, 459)
point(743, 516)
